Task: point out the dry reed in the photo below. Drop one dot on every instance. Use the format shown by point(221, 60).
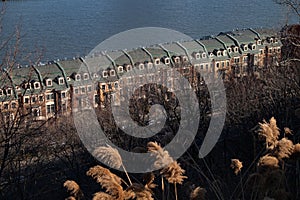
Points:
point(270, 132)
point(140, 192)
point(198, 194)
point(109, 155)
point(236, 165)
point(162, 157)
point(108, 180)
point(268, 162)
point(284, 148)
point(74, 189)
point(102, 196)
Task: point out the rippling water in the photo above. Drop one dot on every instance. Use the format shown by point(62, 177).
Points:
point(67, 28)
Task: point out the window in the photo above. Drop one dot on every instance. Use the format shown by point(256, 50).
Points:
point(8, 91)
point(109, 86)
point(120, 69)
point(167, 61)
point(236, 49)
point(41, 98)
point(68, 78)
point(33, 99)
point(261, 51)
point(201, 66)
point(141, 66)
point(48, 82)
point(128, 67)
point(26, 100)
point(150, 65)
point(95, 75)
point(36, 112)
point(227, 63)
point(103, 87)
point(245, 48)
point(184, 58)
point(203, 55)
point(13, 105)
point(50, 108)
point(245, 59)
point(197, 55)
point(76, 90)
point(89, 88)
point(61, 81)
point(63, 94)
point(85, 76)
point(229, 50)
point(177, 59)
point(219, 53)
point(236, 59)
point(224, 52)
point(77, 77)
point(278, 49)
point(112, 73)
point(1, 92)
point(6, 106)
point(253, 47)
point(157, 61)
point(217, 64)
point(258, 42)
point(82, 90)
point(116, 85)
point(270, 50)
point(50, 96)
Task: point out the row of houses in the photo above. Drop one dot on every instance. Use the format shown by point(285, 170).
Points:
point(56, 88)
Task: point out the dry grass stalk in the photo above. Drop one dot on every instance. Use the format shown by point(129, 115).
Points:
point(108, 180)
point(268, 162)
point(73, 188)
point(102, 196)
point(284, 148)
point(110, 156)
point(236, 165)
point(198, 194)
point(162, 157)
point(140, 192)
point(149, 179)
point(270, 132)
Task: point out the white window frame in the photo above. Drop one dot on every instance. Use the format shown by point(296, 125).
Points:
point(120, 69)
point(85, 76)
point(105, 74)
point(36, 85)
point(61, 81)
point(77, 77)
point(167, 61)
point(112, 72)
point(157, 61)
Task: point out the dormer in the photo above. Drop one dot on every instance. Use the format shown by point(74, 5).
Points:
point(68, 78)
point(167, 60)
point(184, 58)
point(17, 87)
point(85, 76)
point(258, 42)
point(77, 77)
point(203, 55)
point(219, 53)
point(105, 74)
point(149, 65)
point(1, 92)
point(157, 61)
point(61, 80)
point(197, 55)
point(211, 54)
point(112, 72)
point(252, 46)
point(95, 75)
point(128, 67)
point(229, 49)
point(244, 47)
point(120, 69)
point(36, 85)
point(271, 40)
point(224, 52)
point(236, 49)
point(48, 82)
point(141, 66)
point(8, 91)
point(176, 59)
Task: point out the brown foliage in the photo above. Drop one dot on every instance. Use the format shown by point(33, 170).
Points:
point(236, 165)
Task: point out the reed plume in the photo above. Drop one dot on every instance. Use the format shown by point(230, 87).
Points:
point(108, 180)
point(109, 155)
point(112, 157)
point(173, 173)
point(270, 132)
point(198, 194)
point(296, 151)
point(140, 192)
point(162, 157)
point(74, 189)
point(287, 131)
point(102, 196)
point(268, 162)
point(149, 179)
point(236, 165)
point(284, 148)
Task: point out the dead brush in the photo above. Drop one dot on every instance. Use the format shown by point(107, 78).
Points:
point(198, 194)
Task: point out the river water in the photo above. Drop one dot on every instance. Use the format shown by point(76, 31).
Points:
point(67, 28)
